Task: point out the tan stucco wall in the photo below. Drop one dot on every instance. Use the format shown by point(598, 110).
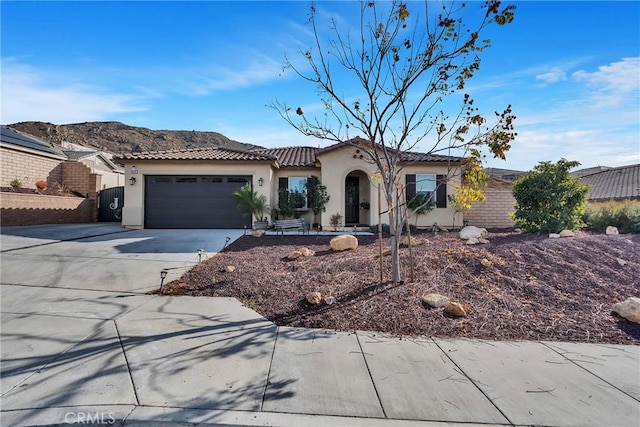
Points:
point(133, 210)
point(337, 164)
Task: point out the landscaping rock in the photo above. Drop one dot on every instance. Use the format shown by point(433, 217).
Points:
point(612, 231)
point(307, 252)
point(621, 262)
point(329, 300)
point(554, 236)
point(344, 242)
point(435, 300)
point(455, 309)
point(483, 241)
point(485, 262)
point(230, 269)
point(518, 231)
point(314, 298)
point(294, 255)
point(567, 233)
point(629, 309)
point(470, 232)
point(257, 233)
point(473, 241)
point(414, 241)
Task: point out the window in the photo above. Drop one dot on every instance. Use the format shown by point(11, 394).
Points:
point(435, 185)
point(295, 188)
point(426, 184)
point(186, 179)
point(297, 184)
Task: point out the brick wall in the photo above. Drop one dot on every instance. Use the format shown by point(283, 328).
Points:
point(26, 209)
point(31, 209)
point(493, 212)
point(28, 168)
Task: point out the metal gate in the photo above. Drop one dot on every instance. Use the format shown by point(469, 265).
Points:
point(110, 204)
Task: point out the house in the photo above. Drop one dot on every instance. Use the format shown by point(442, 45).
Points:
point(28, 159)
point(621, 183)
point(193, 188)
point(504, 174)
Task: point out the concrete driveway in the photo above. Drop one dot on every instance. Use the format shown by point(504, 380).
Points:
point(103, 256)
point(83, 343)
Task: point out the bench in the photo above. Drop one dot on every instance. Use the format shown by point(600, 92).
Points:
point(299, 224)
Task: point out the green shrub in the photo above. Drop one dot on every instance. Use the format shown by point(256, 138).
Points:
point(625, 215)
point(549, 199)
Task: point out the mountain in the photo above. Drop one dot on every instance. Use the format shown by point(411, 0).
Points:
point(116, 137)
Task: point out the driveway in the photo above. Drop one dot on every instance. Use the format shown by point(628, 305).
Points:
point(103, 257)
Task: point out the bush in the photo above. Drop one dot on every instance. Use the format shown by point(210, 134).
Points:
point(549, 199)
point(625, 215)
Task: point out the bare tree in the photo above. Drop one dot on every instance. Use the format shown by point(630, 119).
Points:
point(399, 71)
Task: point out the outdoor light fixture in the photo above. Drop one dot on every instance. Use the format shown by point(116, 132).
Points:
point(260, 182)
point(163, 275)
point(134, 170)
point(132, 181)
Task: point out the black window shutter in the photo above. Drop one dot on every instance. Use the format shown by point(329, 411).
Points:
point(283, 184)
point(441, 191)
point(410, 188)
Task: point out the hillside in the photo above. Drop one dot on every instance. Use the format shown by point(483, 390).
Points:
point(116, 137)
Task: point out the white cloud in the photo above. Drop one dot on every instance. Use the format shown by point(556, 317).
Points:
point(262, 69)
point(553, 76)
point(613, 84)
point(28, 94)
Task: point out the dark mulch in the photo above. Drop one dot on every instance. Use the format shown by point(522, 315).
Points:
point(536, 288)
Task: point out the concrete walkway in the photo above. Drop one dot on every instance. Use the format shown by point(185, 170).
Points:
point(81, 341)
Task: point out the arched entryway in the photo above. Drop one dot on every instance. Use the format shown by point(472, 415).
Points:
point(357, 199)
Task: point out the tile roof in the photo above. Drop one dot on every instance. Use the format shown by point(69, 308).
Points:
point(14, 137)
point(615, 183)
point(284, 156)
point(210, 153)
point(293, 156)
point(405, 156)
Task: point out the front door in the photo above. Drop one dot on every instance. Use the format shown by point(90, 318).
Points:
point(352, 200)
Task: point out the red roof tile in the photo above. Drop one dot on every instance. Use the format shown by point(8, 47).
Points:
point(293, 156)
point(212, 153)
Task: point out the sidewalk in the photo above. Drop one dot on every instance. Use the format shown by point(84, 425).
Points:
point(146, 359)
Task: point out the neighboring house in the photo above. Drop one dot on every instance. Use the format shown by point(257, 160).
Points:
point(28, 159)
point(621, 183)
point(100, 162)
point(589, 171)
point(504, 174)
point(193, 188)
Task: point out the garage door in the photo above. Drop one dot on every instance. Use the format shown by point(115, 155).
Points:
point(193, 202)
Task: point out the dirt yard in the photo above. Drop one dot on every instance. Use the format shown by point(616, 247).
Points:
point(531, 288)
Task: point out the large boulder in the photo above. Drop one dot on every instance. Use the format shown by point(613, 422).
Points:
point(629, 309)
point(344, 242)
point(567, 233)
point(435, 300)
point(471, 232)
point(455, 309)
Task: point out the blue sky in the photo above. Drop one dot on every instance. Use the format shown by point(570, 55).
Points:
point(571, 70)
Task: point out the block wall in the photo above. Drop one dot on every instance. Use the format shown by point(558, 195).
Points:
point(28, 168)
point(493, 212)
point(33, 209)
